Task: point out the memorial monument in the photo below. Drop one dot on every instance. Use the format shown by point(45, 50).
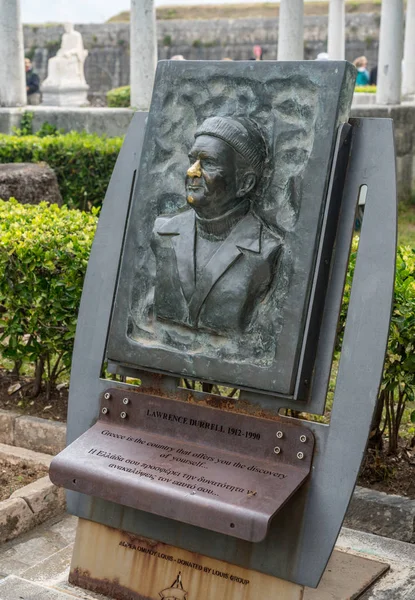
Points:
point(65, 84)
point(210, 308)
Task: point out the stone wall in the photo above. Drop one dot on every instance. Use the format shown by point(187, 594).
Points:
point(107, 64)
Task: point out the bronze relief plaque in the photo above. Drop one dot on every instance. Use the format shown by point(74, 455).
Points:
point(225, 220)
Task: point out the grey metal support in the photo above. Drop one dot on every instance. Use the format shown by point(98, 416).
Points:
point(99, 286)
point(303, 534)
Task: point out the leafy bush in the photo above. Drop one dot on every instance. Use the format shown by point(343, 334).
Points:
point(26, 127)
point(365, 89)
point(398, 383)
point(83, 162)
point(119, 97)
point(44, 252)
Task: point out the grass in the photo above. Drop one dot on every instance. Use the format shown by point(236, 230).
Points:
point(241, 11)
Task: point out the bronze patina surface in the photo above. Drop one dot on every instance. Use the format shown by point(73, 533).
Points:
point(221, 247)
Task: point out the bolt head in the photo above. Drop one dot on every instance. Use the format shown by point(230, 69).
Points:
point(107, 395)
point(125, 401)
point(303, 438)
point(300, 455)
point(104, 410)
point(279, 434)
point(277, 450)
point(123, 415)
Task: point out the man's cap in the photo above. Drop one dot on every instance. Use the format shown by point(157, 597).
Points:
point(242, 134)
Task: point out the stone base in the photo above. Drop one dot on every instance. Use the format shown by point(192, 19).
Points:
point(70, 96)
point(127, 567)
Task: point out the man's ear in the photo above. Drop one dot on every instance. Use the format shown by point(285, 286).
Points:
point(248, 182)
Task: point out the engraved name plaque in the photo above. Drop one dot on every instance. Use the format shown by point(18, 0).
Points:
point(188, 462)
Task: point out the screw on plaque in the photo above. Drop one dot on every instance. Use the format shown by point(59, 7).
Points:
point(279, 434)
point(104, 410)
point(125, 401)
point(277, 450)
point(107, 395)
point(300, 455)
point(303, 438)
point(123, 415)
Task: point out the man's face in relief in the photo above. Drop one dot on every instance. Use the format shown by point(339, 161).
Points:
point(211, 181)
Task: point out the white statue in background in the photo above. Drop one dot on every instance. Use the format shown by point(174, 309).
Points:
point(65, 84)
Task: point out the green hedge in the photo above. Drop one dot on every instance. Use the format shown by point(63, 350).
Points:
point(365, 89)
point(44, 252)
point(83, 162)
point(119, 97)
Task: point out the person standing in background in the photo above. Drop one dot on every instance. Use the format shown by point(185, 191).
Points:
point(257, 52)
point(32, 83)
point(362, 77)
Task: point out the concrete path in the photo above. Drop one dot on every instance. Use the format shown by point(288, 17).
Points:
point(36, 565)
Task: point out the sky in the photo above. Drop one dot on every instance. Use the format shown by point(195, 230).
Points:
point(91, 11)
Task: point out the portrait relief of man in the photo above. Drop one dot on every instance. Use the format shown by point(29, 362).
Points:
point(215, 262)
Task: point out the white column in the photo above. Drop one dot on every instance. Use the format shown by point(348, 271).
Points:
point(291, 30)
point(12, 71)
point(390, 53)
point(143, 52)
point(408, 83)
point(336, 36)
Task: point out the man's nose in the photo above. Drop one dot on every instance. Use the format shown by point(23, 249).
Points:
point(195, 170)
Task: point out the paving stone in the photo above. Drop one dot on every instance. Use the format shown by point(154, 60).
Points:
point(40, 435)
point(14, 455)
point(7, 420)
point(14, 588)
point(33, 547)
point(54, 568)
point(64, 529)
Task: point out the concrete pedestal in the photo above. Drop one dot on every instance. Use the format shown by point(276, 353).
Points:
point(122, 565)
point(65, 96)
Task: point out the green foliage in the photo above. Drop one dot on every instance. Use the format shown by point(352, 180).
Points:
point(167, 41)
point(398, 384)
point(171, 13)
point(119, 97)
point(44, 252)
point(365, 89)
point(26, 125)
point(49, 129)
point(197, 44)
point(83, 162)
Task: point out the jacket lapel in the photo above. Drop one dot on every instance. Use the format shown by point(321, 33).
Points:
point(246, 235)
point(181, 228)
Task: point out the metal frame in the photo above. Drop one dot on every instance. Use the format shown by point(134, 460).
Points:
point(303, 534)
